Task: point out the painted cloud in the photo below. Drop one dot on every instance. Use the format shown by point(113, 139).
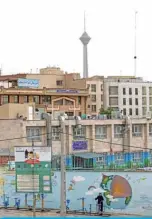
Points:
point(78, 178)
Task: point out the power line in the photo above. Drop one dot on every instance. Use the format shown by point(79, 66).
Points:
point(92, 139)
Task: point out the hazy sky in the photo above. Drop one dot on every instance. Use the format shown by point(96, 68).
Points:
point(38, 33)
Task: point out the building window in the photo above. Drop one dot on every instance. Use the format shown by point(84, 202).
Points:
point(101, 86)
point(101, 160)
point(144, 101)
point(59, 83)
point(124, 111)
point(150, 100)
point(68, 102)
point(143, 90)
point(130, 101)
point(137, 130)
point(58, 102)
point(79, 100)
point(136, 91)
point(93, 98)
point(101, 97)
point(137, 112)
point(79, 133)
point(136, 101)
point(150, 90)
point(150, 130)
point(137, 157)
point(93, 108)
point(16, 99)
point(100, 132)
point(124, 101)
point(34, 133)
point(55, 134)
point(25, 99)
point(113, 101)
point(130, 91)
point(5, 99)
point(36, 99)
point(130, 112)
point(113, 90)
point(119, 159)
point(118, 131)
point(144, 111)
point(46, 99)
point(93, 87)
point(124, 91)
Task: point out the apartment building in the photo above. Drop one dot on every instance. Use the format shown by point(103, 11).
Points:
point(52, 91)
point(95, 100)
point(131, 95)
point(95, 139)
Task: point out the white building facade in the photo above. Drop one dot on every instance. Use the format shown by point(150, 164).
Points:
point(133, 96)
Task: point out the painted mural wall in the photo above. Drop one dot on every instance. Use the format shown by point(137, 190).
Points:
point(127, 192)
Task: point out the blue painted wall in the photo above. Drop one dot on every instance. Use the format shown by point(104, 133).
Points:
point(78, 184)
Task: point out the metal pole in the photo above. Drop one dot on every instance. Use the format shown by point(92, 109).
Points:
point(63, 171)
point(34, 198)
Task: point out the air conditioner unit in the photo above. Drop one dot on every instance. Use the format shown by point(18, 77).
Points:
point(148, 115)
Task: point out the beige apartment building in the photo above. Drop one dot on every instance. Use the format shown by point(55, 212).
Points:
point(95, 85)
point(55, 92)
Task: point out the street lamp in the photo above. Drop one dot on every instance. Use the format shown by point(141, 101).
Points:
point(63, 165)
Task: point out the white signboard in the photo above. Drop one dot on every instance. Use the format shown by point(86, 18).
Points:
point(28, 183)
point(37, 154)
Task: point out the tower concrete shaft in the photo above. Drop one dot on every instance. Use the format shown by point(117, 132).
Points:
point(85, 40)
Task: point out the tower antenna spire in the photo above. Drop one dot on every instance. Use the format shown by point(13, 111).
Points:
point(84, 22)
point(85, 39)
point(135, 49)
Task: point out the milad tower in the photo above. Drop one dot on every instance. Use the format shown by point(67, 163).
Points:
point(85, 40)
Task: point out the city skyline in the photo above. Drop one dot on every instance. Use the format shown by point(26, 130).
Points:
point(38, 35)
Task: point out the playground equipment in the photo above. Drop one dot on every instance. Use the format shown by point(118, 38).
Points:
point(83, 209)
point(67, 204)
point(42, 197)
point(17, 203)
point(6, 201)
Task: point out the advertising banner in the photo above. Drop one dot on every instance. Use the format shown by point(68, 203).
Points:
point(33, 169)
point(28, 83)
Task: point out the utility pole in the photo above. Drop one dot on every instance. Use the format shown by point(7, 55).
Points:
point(63, 169)
point(34, 198)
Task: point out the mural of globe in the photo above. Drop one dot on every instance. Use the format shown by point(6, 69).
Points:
point(117, 191)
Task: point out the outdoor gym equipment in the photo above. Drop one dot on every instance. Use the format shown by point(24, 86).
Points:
point(67, 204)
point(82, 204)
point(6, 201)
point(17, 203)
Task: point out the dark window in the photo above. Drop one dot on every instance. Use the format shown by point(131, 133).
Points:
point(130, 101)
point(124, 91)
point(79, 100)
point(137, 112)
point(130, 112)
point(5, 99)
point(124, 112)
point(136, 91)
point(36, 99)
point(16, 99)
point(124, 101)
point(59, 83)
point(46, 99)
point(130, 91)
point(136, 101)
